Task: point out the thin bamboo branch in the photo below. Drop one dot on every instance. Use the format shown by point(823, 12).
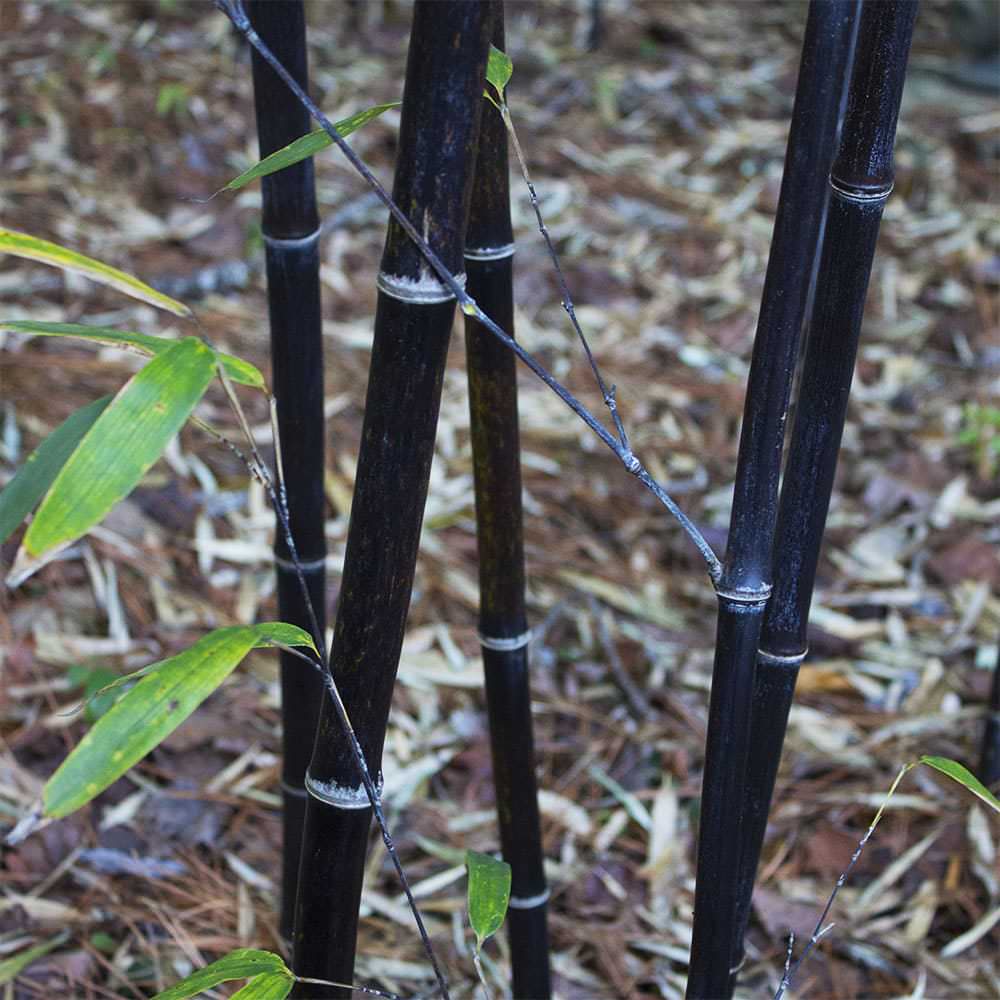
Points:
point(233, 9)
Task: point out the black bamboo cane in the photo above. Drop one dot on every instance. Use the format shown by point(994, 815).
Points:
point(745, 583)
point(503, 624)
point(442, 101)
point(291, 240)
point(824, 75)
point(860, 183)
point(989, 759)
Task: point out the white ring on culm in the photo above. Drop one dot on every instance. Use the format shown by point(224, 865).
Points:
point(424, 291)
point(504, 645)
point(298, 241)
point(341, 796)
point(307, 567)
point(781, 661)
point(746, 596)
point(293, 790)
point(528, 902)
point(490, 253)
point(859, 197)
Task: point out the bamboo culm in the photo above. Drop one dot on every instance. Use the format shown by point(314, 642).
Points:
point(989, 758)
point(291, 240)
point(442, 102)
point(860, 183)
point(503, 625)
point(746, 578)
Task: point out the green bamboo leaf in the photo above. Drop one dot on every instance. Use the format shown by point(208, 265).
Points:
point(33, 248)
point(955, 771)
point(148, 713)
point(306, 146)
point(499, 70)
point(31, 481)
point(236, 368)
point(120, 447)
point(489, 894)
point(243, 963)
point(11, 968)
point(269, 986)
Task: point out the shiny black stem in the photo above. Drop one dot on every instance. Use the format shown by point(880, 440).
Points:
point(820, 104)
point(502, 618)
point(442, 101)
point(291, 239)
point(746, 579)
point(860, 183)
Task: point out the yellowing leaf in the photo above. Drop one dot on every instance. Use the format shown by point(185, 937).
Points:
point(120, 447)
point(306, 146)
point(33, 248)
point(499, 70)
point(144, 716)
point(236, 368)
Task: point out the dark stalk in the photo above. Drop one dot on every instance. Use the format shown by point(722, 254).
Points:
point(291, 240)
point(503, 624)
point(442, 101)
point(860, 183)
point(746, 578)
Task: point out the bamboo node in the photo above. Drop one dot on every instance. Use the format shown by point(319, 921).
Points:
point(504, 645)
point(490, 253)
point(528, 902)
point(341, 796)
point(425, 290)
point(758, 596)
point(777, 660)
point(846, 191)
point(309, 566)
point(289, 243)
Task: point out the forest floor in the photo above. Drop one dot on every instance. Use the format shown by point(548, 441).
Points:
point(657, 158)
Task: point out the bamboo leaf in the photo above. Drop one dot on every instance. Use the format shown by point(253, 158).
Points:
point(243, 963)
point(306, 146)
point(269, 986)
point(33, 248)
point(120, 447)
point(499, 70)
point(236, 368)
point(11, 968)
point(955, 771)
point(489, 894)
point(153, 709)
point(31, 481)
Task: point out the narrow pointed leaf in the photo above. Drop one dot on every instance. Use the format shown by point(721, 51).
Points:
point(955, 771)
point(153, 709)
point(489, 893)
point(31, 481)
point(499, 70)
point(11, 968)
point(33, 248)
point(269, 986)
point(121, 446)
point(306, 146)
point(243, 963)
point(236, 368)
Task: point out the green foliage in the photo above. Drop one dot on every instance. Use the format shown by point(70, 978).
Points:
point(95, 682)
point(955, 771)
point(32, 480)
point(489, 894)
point(11, 968)
point(244, 963)
point(33, 248)
point(166, 695)
point(306, 146)
point(236, 369)
point(120, 447)
point(980, 433)
point(172, 97)
point(499, 70)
